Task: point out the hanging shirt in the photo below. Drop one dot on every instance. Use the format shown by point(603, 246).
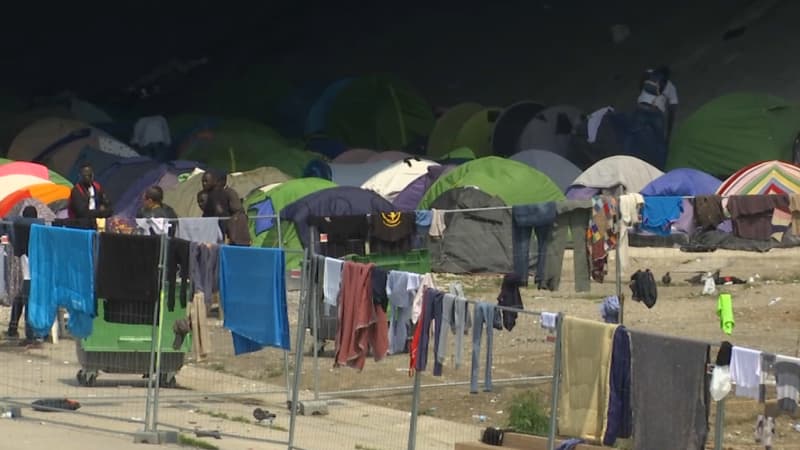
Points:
point(392, 232)
point(746, 371)
point(787, 380)
point(253, 294)
point(659, 213)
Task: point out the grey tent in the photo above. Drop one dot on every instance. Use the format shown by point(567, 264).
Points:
point(510, 124)
point(475, 241)
point(356, 174)
point(558, 168)
point(551, 129)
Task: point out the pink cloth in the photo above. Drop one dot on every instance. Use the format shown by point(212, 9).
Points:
point(363, 326)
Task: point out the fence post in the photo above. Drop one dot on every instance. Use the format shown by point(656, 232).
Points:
point(719, 425)
point(299, 342)
point(412, 428)
point(285, 353)
point(155, 332)
point(551, 435)
point(163, 284)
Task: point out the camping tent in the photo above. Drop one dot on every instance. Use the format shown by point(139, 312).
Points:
point(733, 131)
point(392, 180)
point(8, 167)
point(551, 129)
point(389, 155)
point(238, 150)
point(126, 180)
point(627, 172)
point(42, 210)
point(445, 130)
point(183, 197)
point(318, 113)
point(57, 143)
point(510, 124)
point(355, 174)
point(264, 230)
point(682, 182)
point(378, 112)
point(45, 192)
point(767, 177)
point(332, 202)
point(409, 197)
point(473, 241)
point(354, 156)
point(514, 182)
point(558, 168)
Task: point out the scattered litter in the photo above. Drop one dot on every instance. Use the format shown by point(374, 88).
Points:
point(208, 433)
point(479, 417)
point(774, 300)
point(499, 412)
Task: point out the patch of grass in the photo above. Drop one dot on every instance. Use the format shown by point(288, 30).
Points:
point(188, 441)
point(214, 414)
point(241, 419)
point(527, 415)
point(217, 366)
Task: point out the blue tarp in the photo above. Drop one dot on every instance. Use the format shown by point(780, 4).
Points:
point(682, 182)
point(332, 202)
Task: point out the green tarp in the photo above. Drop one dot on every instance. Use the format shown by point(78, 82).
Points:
point(379, 112)
point(514, 182)
point(735, 130)
point(280, 196)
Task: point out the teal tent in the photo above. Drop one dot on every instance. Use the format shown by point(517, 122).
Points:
point(268, 201)
point(733, 131)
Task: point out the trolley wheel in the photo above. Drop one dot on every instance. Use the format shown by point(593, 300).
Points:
point(81, 377)
point(167, 380)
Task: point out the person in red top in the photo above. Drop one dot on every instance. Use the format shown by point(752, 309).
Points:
point(88, 199)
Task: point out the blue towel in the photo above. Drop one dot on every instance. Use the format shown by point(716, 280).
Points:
point(253, 292)
point(424, 217)
point(62, 275)
point(659, 213)
point(570, 444)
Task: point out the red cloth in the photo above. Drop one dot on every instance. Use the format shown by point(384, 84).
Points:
point(413, 349)
point(363, 326)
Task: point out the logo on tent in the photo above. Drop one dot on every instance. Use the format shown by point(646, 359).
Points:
point(391, 219)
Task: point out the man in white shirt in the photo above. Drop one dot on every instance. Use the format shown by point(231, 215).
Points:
point(658, 91)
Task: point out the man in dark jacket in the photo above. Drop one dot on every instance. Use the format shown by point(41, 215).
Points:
point(88, 199)
point(223, 201)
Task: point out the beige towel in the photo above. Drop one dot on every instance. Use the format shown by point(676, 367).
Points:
point(586, 363)
point(629, 206)
point(201, 341)
point(437, 224)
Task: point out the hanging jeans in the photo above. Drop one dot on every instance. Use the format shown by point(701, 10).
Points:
point(572, 219)
point(432, 312)
point(538, 218)
point(484, 316)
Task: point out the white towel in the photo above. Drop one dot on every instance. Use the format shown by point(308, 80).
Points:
point(548, 320)
point(333, 280)
point(426, 281)
point(746, 371)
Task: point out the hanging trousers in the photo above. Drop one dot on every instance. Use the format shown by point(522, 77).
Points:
point(484, 316)
point(573, 218)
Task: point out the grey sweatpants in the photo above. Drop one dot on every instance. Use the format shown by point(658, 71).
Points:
point(484, 315)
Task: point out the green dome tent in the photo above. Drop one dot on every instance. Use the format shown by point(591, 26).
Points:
point(735, 130)
point(513, 182)
point(264, 202)
point(237, 151)
point(474, 132)
point(379, 112)
point(446, 128)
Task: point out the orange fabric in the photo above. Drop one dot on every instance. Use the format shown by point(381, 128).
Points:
point(11, 200)
point(362, 324)
point(49, 192)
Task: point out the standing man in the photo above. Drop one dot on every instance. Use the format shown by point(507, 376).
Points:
point(223, 201)
point(153, 207)
point(658, 91)
point(88, 199)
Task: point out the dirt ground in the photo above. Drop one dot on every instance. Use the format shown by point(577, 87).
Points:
point(766, 310)
point(767, 313)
